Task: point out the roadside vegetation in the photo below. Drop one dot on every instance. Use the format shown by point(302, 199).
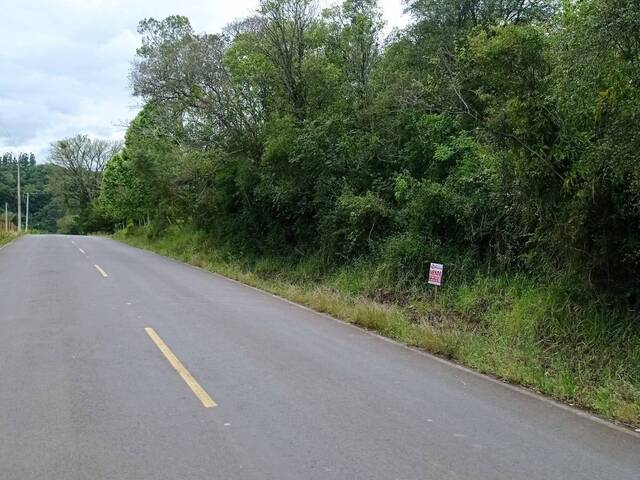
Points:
point(309, 153)
point(6, 237)
point(545, 332)
point(62, 192)
point(45, 209)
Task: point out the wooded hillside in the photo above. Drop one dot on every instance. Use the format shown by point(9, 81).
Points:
point(301, 151)
point(488, 134)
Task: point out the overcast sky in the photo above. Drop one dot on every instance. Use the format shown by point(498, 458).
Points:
point(64, 63)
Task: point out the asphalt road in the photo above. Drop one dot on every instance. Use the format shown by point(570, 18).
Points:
point(86, 393)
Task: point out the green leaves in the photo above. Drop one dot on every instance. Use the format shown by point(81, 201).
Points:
point(493, 132)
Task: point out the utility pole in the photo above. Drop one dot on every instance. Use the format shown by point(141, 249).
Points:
point(6, 217)
point(19, 200)
point(26, 227)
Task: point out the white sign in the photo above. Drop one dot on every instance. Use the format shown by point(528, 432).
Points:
point(435, 274)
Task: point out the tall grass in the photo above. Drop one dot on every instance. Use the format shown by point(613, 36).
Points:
point(6, 237)
point(544, 333)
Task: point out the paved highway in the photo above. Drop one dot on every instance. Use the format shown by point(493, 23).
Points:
point(120, 364)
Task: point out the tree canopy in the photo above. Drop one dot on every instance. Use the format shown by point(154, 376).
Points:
point(486, 134)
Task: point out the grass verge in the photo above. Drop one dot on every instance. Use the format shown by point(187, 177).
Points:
point(545, 334)
point(6, 237)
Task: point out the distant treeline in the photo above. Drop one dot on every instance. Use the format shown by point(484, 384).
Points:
point(62, 192)
point(489, 135)
point(44, 209)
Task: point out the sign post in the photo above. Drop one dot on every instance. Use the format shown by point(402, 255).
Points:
point(435, 276)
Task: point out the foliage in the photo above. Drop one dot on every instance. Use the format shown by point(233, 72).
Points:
point(76, 179)
point(44, 208)
point(6, 237)
point(123, 194)
point(498, 137)
point(542, 333)
point(496, 133)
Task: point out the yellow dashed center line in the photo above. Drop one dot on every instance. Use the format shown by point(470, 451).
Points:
point(102, 272)
point(195, 387)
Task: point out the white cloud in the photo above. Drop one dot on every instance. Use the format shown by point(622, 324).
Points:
point(64, 63)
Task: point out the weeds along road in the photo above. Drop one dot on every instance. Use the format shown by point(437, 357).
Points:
point(120, 364)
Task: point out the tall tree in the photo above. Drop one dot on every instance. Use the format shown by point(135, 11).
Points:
point(285, 27)
point(186, 72)
point(81, 160)
point(357, 37)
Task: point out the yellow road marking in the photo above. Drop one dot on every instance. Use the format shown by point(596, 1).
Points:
point(81, 250)
point(195, 387)
point(102, 272)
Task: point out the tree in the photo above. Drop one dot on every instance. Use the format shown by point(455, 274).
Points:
point(122, 196)
point(80, 161)
point(596, 89)
point(358, 27)
point(460, 15)
point(492, 133)
point(44, 209)
point(285, 27)
point(186, 73)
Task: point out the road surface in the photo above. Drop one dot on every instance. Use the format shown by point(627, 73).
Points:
point(259, 388)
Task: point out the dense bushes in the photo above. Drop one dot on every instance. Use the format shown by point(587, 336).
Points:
point(492, 136)
point(303, 153)
point(544, 332)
